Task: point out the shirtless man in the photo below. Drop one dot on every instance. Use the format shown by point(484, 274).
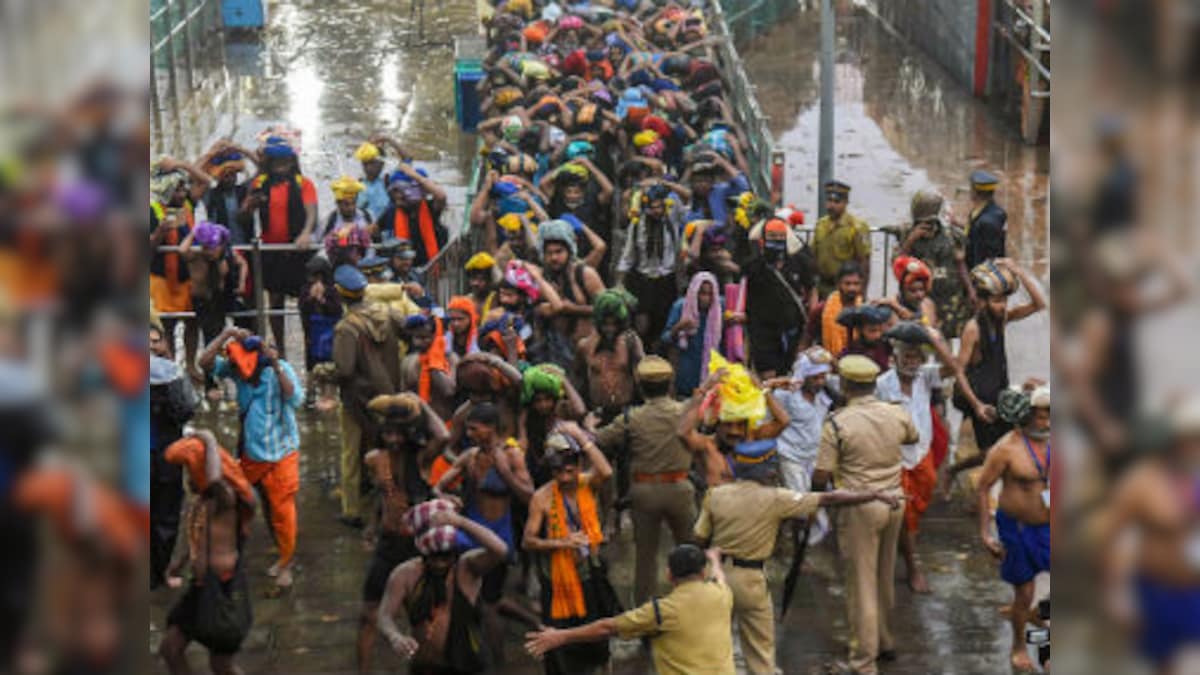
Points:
point(1021, 458)
point(731, 430)
point(606, 360)
point(485, 377)
point(440, 593)
point(419, 333)
point(216, 527)
point(1157, 500)
point(492, 475)
point(411, 435)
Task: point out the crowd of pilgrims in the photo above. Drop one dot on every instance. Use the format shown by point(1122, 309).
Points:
point(639, 331)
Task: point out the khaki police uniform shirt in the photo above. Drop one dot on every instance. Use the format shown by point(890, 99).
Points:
point(655, 445)
point(692, 629)
point(835, 243)
point(743, 517)
point(868, 456)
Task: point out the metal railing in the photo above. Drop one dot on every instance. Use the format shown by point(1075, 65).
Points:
point(186, 40)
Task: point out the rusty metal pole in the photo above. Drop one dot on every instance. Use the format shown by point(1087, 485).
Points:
point(825, 151)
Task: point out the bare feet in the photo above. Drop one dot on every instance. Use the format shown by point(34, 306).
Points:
point(174, 581)
point(284, 579)
point(917, 582)
point(1022, 663)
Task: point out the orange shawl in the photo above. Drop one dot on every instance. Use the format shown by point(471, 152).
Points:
point(433, 359)
point(189, 452)
point(466, 305)
point(401, 229)
point(566, 592)
point(834, 336)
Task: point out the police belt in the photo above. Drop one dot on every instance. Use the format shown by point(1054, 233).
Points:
point(742, 562)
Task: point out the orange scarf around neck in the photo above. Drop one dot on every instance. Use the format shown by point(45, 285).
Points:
point(433, 359)
point(566, 596)
point(401, 229)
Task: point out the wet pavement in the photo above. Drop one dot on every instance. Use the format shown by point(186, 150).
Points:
point(339, 73)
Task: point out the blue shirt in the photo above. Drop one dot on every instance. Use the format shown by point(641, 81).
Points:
point(716, 198)
point(802, 436)
point(269, 430)
point(375, 197)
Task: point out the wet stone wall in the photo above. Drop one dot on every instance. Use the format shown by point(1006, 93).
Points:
point(945, 29)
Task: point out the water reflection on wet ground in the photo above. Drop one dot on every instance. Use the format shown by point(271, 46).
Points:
point(339, 72)
point(902, 123)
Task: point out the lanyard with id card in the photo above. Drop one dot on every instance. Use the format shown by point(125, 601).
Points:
point(1043, 471)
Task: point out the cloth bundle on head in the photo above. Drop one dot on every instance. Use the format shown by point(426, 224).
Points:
point(576, 63)
point(478, 376)
point(419, 518)
point(1014, 405)
point(864, 315)
point(541, 379)
point(437, 540)
point(189, 452)
point(909, 333)
point(556, 230)
point(990, 278)
point(348, 236)
point(511, 128)
point(277, 148)
point(536, 32)
point(225, 162)
point(645, 137)
point(509, 222)
point(246, 356)
point(507, 96)
point(163, 185)
point(464, 304)
point(580, 149)
point(518, 277)
point(402, 408)
point(616, 303)
point(1040, 396)
point(346, 187)
point(691, 312)
point(210, 235)
point(492, 332)
point(570, 22)
point(367, 152)
point(79, 508)
point(811, 364)
point(479, 262)
point(908, 268)
point(574, 172)
point(737, 396)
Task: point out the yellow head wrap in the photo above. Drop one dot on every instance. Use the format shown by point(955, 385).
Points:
point(575, 170)
point(367, 152)
point(510, 222)
point(345, 188)
point(643, 138)
point(480, 261)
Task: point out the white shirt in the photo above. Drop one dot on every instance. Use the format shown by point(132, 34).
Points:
point(800, 439)
point(887, 388)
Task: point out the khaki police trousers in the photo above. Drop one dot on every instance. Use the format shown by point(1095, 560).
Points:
point(867, 539)
point(352, 436)
point(755, 617)
point(652, 504)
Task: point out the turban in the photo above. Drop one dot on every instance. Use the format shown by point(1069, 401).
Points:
point(524, 8)
point(570, 22)
point(480, 261)
point(516, 276)
point(613, 302)
point(478, 376)
point(657, 124)
point(556, 230)
point(575, 63)
point(493, 331)
point(775, 226)
point(585, 115)
point(367, 152)
point(504, 188)
point(278, 148)
point(907, 268)
point(348, 236)
point(645, 137)
point(535, 33)
point(541, 379)
point(1014, 405)
point(1040, 397)
point(437, 540)
point(535, 70)
point(994, 280)
point(345, 188)
point(210, 235)
point(164, 185)
point(615, 40)
point(402, 408)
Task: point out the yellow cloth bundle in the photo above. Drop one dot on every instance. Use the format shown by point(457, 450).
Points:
point(367, 152)
point(346, 188)
point(739, 398)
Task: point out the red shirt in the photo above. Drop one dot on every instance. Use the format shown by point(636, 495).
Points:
point(276, 231)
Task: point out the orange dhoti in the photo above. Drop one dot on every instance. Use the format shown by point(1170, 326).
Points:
point(279, 481)
point(169, 295)
point(918, 483)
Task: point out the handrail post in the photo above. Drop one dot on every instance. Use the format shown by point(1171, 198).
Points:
point(260, 303)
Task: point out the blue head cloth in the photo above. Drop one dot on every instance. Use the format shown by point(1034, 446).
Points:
point(640, 77)
point(511, 204)
point(615, 40)
point(503, 189)
point(349, 278)
point(417, 321)
point(631, 97)
point(404, 178)
point(279, 149)
point(663, 84)
point(580, 149)
point(252, 343)
point(572, 220)
point(595, 55)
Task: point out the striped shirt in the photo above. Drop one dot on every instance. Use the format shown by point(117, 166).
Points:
point(269, 429)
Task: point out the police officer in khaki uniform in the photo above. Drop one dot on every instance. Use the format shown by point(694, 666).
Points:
point(839, 237)
point(659, 461)
point(860, 450)
point(741, 519)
